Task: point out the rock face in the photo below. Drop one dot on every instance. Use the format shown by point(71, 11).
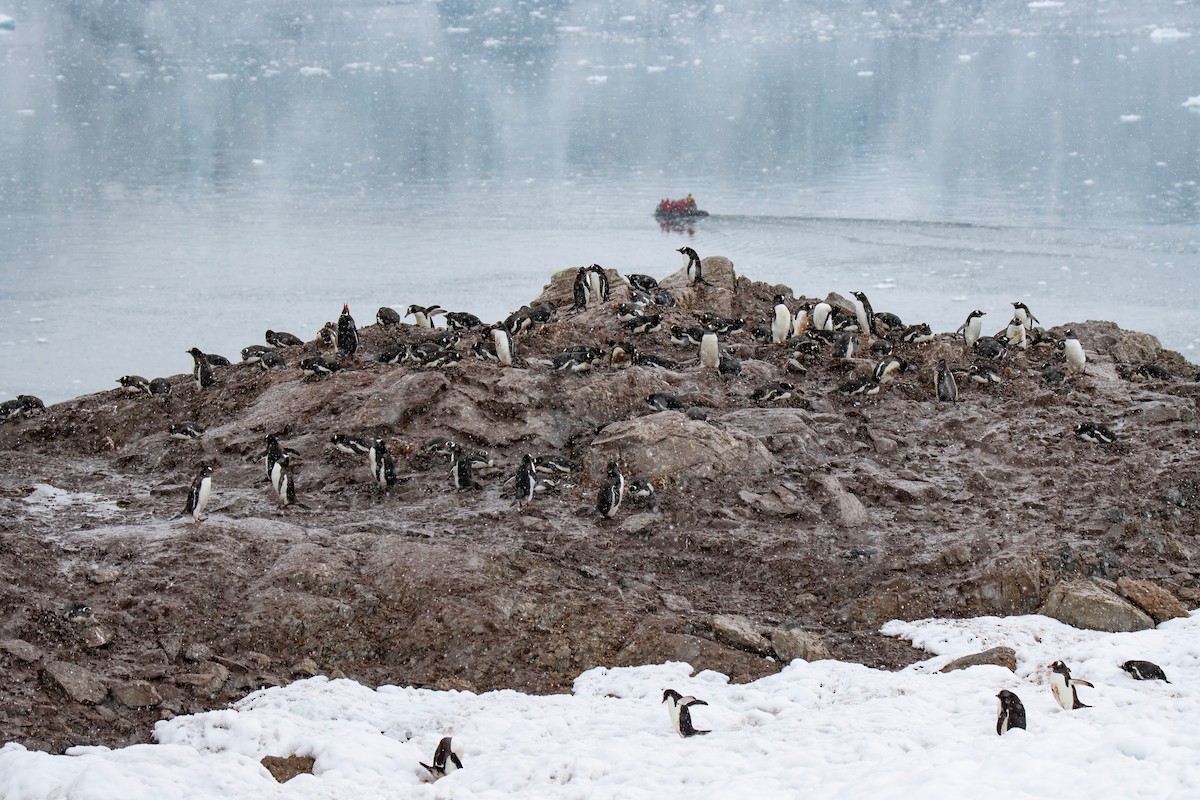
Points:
point(790, 527)
point(1160, 604)
point(1083, 604)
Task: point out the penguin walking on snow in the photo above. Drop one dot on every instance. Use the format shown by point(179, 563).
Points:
point(945, 387)
point(445, 760)
point(679, 707)
point(199, 493)
point(781, 324)
point(1012, 713)
point(347, 333)
point(612, 492)
point(1062, 686)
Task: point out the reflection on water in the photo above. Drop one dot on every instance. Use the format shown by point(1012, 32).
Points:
point(179, 174)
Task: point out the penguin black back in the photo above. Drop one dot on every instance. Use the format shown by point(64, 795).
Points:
point(347, 332)
point(1011, 714)
point(1145, 671)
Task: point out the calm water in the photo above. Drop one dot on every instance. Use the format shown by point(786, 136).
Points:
point(176, 174)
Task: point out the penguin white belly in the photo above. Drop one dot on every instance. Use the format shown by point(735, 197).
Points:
point(276, 475)
point(503, 352)
point(823, 317)
point(971, 334)
point(782, 326)
point(860, 312)
point(710, 355)
point(202, 497)
point(1063, 694)
point(1075, 355)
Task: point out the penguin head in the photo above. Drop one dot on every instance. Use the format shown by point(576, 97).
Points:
point(671, 694)
point(1059, 666)
point(614, 469)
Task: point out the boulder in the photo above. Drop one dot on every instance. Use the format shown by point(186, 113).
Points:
point(1005, 585)
point(796, 643)
point(668, 445)
point(844, 508)
point(1156, 601)
point(21, 649)
point(1084, 604)
point(136, 694)
point(208, 679)
point(1000, 656)
point(80, 685)
point(284, 769)
point(740, 632)
point(716, 294)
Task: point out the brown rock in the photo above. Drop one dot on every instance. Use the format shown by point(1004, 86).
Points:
point(19, 648)
point(80, 685)
point(1083, 604)
point(1156, 601)
point(1000, 656)
point(306, 667)
point(208, 678)
point(93, 636)
point(716, 295)
point(796, 643)
point(284, 769)
point(136, 694)
point(845, 509)
point(1006, 585)
point(740, 632)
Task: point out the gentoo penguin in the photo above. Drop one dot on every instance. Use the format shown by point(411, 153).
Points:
point(387, 317)
point(993, 348)
point(920, 333)
point(215, 360)
point(866, 385)
point(461, 473)
point(22, 405)
point(347, 332)
point(1062, 686)
point(318, 366)
point(201, 369)
point(327, 336)
point(770, 392)
point(526, 479)
point(283, 339)
point(721, 325)
point(644, 359)
point(1015, 333)
point(271, 457)
point(271, 360)
point(185, 430)
point(445, 760)
point(970, 329)
point(945, 387)
point(822, 317)
point(462, 321)
point(503, 342)
point(889, 368)
point(681, 717)
point(1022, 313)
point(1076, 358)
point(643, 282)
point(199, 493)
point(161, 388)
point(864, 313)
point(612, 492)
point(684, 335)
point(693, 265)
point(549, 465)
point(383, 468)
point(1094, 432)
point(885, 323)
point(800, 320)
point(1051, 374)
point(350, 445)
point(580, 290)
point(646, 324)
point(134, 384)
point(1144, 671)
point(598, 282)
point(843, 345)
point(661, 401)
point(423, 315)
point(1012, 713)
point(729, 365)
point(984, 375)
point(781, 324)
point(285, 486)
point(641, 489)
point(710, 353)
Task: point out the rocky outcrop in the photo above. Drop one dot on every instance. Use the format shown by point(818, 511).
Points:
point(1084, 604)
point(1000, 656)
point(795, 643)
point(80, 684)
point(1156, 601)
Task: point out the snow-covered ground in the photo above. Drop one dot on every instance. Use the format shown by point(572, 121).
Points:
point(822, 729)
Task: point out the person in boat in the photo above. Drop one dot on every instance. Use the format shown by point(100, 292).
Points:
point(691, 201)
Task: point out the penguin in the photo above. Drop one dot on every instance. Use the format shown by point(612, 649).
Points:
point(1015, 333)
point(1076, 358)
point(285, 486)
point(77, 613)
point(1095, 433)
point(612, 492)
point(643, 283)
point(920, 333)
point(199, 493)
point(970, 329)
point(580, 289)
point(627, 312)
point(327, 336)
point(318, 367)
point(710, 353)
point(463, 321)
point(984, 375)
point(271, 457)
point(800, 320)
point(387, 317)
point(251, 354)
point(283, 339)
point(641, 489)
point(347, 332)
point(503, 342)
point(549, 465)
point(643, 359)
point(598, 282)
point(1024, 315)
point(770, 392)
point(1062, 686)
point(271, 360)
point(686, 336)
point(781, 324)
point(694, 269)
point(185, 430)
point(201, 369)
point(663, 297)
point(945, 387)
point(992, 348)
point(661, 401)
point(886, 324)
point(350, 445)
point(679, 707)
point(621, 354)
point(1011, 714)
point(843, 345)
point(1145, 671)
point(134, 384)
point(573, 361)
point(215, 360)
point(24, 405)
point(864, 312)
point(889, 367)
point(423, 316)
point(866, 385)
point(729, 365)
point(445, 760)
point(722, 325)
point(526, 479)
point(161, 388)
point(460, 469)
point(383, 468)
point(822, 317)
point(1052, 375)
point(648, 324)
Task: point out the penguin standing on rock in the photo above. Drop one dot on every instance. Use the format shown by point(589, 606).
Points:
point(347, 332)
point(526, 479)
point(710, 352)
point(972, 328)
point(612, 492)
point(1012, 713)
point(945, 387)
point(1062, 686)
point(693, 266)
point(383, 468)
point(1024, 315)
point(424, 315)
point(503, 342)
point(271, 456)
point(1076, 358)
point(199, 493)
point(679, 707)
point(285, 486)
point(461, 472)
point(822, 317)
point(864, 313)
point(201, 369)
point(781, 324)
point(598, 282)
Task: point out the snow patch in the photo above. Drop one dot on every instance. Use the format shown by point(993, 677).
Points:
point(310, 71)
point(1168, 35)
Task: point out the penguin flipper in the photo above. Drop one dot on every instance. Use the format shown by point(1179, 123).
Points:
point(1082, 683)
